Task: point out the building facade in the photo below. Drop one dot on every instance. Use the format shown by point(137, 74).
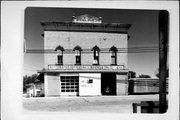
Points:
point(83, 58)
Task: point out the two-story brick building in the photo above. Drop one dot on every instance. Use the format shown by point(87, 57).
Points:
point(83, 57)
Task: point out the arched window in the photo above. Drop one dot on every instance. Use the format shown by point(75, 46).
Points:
point(113, 50)
point(77, 50)
point(95, 50)
point(59, 49)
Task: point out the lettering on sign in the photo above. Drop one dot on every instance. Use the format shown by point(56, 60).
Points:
point(83, 67)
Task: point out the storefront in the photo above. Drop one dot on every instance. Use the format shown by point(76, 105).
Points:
point(84, 80)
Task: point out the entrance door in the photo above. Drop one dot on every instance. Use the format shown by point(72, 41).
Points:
point(108, 83)
point(69, 85)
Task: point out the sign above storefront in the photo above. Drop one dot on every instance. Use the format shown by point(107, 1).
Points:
point(85, 67)
point(86, 19)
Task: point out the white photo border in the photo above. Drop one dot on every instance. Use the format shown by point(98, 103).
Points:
point(12, 37)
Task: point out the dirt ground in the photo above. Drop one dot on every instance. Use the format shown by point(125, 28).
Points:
point(112, 104)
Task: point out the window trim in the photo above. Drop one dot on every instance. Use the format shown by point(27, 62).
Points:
point(96, 57)
point(114, 51)
point(115, 57)
point(79, 49)
point(76, 56)
point(59, 49)
point(96, 50)
point(61, 57)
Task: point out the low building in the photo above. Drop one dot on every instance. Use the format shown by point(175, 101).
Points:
point(84, 57)
point(30, 90)
point(144, 86)
point(36, 89)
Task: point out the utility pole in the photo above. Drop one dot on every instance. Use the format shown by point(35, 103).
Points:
point(163, 43)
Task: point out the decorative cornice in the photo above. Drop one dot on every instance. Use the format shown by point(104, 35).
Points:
point(86, 27)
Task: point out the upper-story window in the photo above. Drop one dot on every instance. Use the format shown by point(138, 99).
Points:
point(59, 49)
point(77, 50)
point(113, 50)
point(95, 50)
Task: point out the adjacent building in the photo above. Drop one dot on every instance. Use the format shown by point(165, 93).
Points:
point(36, 89)
point(84, 57)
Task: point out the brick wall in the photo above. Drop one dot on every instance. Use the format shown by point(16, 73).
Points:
point(87, 40)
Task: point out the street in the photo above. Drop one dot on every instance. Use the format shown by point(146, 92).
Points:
point(111, 104)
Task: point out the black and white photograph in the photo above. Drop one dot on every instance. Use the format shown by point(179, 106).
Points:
point(92, 60)
point(103, 61)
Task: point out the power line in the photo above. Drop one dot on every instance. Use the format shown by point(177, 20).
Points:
point(103, 50)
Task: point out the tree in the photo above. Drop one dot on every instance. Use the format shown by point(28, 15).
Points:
point(144, 76)
point(33, 77)
point(131, 74)
point(167, 73)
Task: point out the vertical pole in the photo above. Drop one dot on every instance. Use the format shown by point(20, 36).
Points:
point(163, 39)
point(134, 107)
point(24, 46)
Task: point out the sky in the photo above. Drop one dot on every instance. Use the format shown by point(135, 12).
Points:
point(143, 33)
